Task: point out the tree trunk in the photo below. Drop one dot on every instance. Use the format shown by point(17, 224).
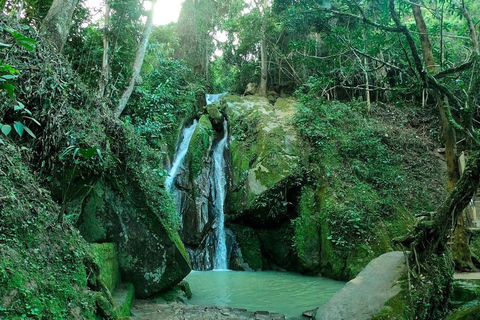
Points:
point(424, 38)
point(105, 76)
point(461, 238)
point(137, 64)
point(56, 25)
point(432, 239)
point(471, 25)
point(262, 90)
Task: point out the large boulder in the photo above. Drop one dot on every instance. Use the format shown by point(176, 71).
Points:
point(368, 294)
point(151, 255)
point(266, 156)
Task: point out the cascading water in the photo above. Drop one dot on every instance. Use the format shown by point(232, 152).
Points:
point(180, 155)
point(220, 183)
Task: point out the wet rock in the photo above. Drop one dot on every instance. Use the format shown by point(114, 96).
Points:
point(150, 310)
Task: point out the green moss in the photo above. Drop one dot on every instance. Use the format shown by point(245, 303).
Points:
point(214, 112)
point(179, 293)
point(123, 298)
point(249, 244)
point(200, 146)
point(395, 309)
point(307, 238)
point(468, 312)
point(465, 291)
point(92, 228)
point(105, 256)
point(42, 265)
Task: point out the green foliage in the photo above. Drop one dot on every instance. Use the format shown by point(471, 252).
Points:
point(165, 98)
point(42, 271)
point(7, 74)
point(377, 168)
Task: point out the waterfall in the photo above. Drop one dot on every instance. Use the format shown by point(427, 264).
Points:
point(180, 154)
point(220, 183)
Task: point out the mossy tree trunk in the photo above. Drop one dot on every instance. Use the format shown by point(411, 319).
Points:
point(57, 23)
point(461, 238)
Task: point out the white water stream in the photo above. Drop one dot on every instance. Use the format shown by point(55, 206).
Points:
point(180, 155)
point(220, 183)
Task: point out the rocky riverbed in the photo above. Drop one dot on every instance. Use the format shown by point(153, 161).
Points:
point(150, 310)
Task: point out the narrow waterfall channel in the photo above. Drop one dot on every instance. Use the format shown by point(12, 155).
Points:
point(180, 154)
point(219, 185)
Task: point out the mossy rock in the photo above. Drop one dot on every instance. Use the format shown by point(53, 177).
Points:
point(249, 245)
point(123, 299)
point(396, 308)
point(265, 148)
point(105, 256)
point(200, 146)
point(470, 311)
point(465, 291)
point(215, 115)
point(180, 293)
point(307, 237)
point(151, 254)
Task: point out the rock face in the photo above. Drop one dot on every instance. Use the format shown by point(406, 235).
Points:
point(266, 156)
point(151, 256)
point(366, 295)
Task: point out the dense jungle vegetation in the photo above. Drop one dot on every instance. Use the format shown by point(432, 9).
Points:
point(387, 99)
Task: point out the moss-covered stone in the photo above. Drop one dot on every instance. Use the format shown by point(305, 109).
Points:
point(249, 245)
point(396, 308)
point(468, 312)
point(123, 299)
point(215, 115)
point(179, 293)
point(105, 256)
point(265, 149)
point(465, 291)
point(43, 270)
point(307, 238)
point(151, 255)
point(200, 146)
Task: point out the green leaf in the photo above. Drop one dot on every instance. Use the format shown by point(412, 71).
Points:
point(10, 89)
point(9, 76)
point(34, 120)
point(19, 128)
point(4, 45)
point(88, 153)
point(6, 129)
point(99, 152)
point(19, 106)
point(27, 46)
point(30, 132)
point(66, 151)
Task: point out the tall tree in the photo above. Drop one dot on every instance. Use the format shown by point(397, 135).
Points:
point(263, 7)
point(105, 76)
point(58, 21)
point(137, 64)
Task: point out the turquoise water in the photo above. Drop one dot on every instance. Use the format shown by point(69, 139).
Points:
point(287, 293)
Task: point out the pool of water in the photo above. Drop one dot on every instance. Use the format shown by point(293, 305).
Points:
point(287, 293)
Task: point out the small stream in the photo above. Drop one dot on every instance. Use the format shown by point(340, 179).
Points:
point(281, 292)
